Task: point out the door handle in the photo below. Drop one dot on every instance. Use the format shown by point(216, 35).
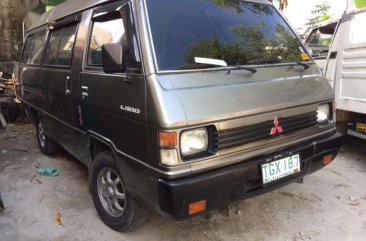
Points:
point(84, 91)
point(67, 86)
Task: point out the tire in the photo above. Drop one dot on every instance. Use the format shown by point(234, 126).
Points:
point(115, 206)
point(46, 145)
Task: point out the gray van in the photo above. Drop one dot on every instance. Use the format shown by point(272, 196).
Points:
point(179, 106)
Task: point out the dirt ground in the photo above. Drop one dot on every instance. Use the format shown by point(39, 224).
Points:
point(329, 205)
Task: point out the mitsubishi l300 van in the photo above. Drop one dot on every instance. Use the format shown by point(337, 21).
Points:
point(179, 106)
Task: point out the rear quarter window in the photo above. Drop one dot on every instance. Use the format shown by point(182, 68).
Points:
point(33, 49)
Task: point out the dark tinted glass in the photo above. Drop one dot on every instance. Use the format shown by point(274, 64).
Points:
point(238, 32)
point(52, 47)
point(61, 45)
point(27, 52)
point(33, 49)
point(111, 31)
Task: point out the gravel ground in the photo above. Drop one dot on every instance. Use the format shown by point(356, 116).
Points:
point(329, 205)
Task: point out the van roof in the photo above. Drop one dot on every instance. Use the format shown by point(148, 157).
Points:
point(70, 7)
point(65, 9)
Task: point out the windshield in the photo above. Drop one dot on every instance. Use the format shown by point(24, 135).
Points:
point(237, 32)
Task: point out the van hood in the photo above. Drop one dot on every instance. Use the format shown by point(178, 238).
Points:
point(211, 96)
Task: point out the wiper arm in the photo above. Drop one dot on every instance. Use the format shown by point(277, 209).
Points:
point(237, 67)
point(306, 66)
point(263, 60)
point(194, 66)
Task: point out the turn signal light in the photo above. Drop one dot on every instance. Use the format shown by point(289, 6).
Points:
point(327, 159)
point(167, 139)
point(197, 207)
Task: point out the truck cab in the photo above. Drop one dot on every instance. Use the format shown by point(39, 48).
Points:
point(346, 63)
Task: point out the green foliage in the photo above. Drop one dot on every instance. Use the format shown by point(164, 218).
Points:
point(250, 44)
point(240, 6)
point(52, 2)
point(212, 48)
point(234, 4)
point(320, 13)
point(324, 18)
point(360, 3)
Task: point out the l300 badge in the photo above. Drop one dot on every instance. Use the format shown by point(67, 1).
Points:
point(130, 109)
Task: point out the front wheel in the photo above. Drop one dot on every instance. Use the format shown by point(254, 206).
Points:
point(46, 145)
point(115, 206)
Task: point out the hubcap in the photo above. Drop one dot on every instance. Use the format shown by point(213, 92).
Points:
point(41, 136)
point(111, 192)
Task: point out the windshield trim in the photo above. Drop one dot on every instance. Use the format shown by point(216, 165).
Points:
point(158, 71)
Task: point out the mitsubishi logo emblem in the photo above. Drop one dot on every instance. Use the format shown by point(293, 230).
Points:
point(277, 128)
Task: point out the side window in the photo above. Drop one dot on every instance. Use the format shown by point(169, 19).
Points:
point(103, 32)
point(33, 49)
point(61, 46)
point(319, 41)
point(113, 23)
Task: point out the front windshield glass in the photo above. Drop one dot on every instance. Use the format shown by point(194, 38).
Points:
point(238, 32)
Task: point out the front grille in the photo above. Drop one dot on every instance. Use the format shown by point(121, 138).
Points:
point(261, 131)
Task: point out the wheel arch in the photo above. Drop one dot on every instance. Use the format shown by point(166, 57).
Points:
point(32, 114)
point(99, 144)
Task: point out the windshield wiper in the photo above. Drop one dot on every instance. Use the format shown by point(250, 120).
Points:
point(269, 60)
point(194, 66)
point(201, 66)
point(306, 66)
point(238, 67)
point(200, 62)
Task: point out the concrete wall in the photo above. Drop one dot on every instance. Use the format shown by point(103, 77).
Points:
point(10, 30)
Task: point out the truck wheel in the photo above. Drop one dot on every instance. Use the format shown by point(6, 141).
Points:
point(47, 146)
point(115, 206)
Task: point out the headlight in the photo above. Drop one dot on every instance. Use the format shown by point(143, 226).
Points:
point(323, 113)
point(193, 141)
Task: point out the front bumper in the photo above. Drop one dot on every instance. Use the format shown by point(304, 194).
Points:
point(240, 181)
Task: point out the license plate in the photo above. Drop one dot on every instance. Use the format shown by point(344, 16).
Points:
point(281, 168)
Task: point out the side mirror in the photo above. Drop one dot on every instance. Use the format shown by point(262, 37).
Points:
point(112, 58)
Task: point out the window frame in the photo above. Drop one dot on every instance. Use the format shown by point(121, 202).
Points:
point(60, 25)
point(108, 9)
point(87, 65)
point(32, 34)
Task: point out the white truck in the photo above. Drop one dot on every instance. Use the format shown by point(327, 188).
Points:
point(345, 68)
